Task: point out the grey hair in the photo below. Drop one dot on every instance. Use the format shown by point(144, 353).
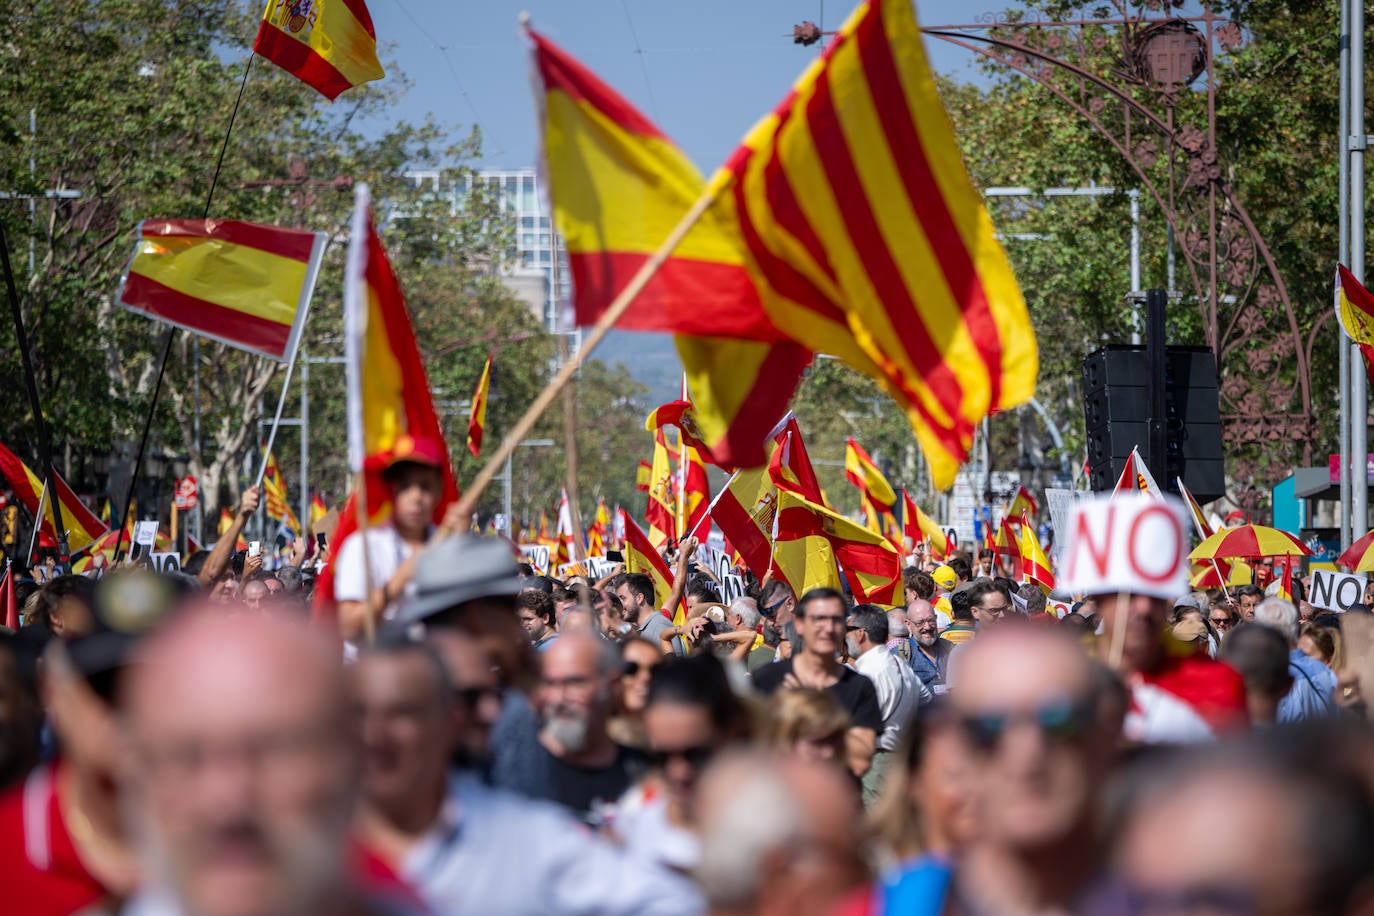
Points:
point(1281, 615)
point(748, 611)
point(737, 839)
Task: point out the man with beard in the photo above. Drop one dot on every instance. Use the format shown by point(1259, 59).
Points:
point(240, 770)
point(930, 658)
point(586, 771)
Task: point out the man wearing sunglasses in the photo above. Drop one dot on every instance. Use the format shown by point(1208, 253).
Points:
point(1039, 741)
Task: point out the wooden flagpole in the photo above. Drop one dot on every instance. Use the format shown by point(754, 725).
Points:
point(603, 325)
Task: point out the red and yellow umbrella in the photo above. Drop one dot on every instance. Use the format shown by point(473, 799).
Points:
point(1249, 542)
point(1209, 576)
point(1359, 556)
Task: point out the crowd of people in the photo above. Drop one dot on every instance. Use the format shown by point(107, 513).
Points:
point(484, 738)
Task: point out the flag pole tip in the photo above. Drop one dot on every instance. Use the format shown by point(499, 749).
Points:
point(524, 20)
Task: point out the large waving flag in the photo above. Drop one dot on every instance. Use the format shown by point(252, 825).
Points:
point(867, 240)
point(242, 284)
point(619, 186)
point(811, 539)
point(477, 417)
point(327, 44)
point(83, 527)
point(389, 404)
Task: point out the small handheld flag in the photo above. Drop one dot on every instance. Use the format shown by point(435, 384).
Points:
point(477, 418)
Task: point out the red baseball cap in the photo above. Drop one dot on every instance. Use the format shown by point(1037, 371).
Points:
point(410, 449)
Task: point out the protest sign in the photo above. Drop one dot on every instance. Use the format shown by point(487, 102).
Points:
point(1336, 591)
point(1131, 544)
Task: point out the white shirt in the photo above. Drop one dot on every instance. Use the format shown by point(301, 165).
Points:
point(899, 691)
point(504, 855)
point(386, 551)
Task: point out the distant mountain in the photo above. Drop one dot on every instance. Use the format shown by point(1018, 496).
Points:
point(650, 358)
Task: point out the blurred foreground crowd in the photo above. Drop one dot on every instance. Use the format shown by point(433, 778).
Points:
point(500, 742)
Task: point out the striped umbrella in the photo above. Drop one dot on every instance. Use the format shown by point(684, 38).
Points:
point(1207, 576)
point(1249, 542)
point(1359, 556)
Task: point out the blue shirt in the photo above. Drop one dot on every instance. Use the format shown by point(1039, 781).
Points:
point(1312, 693)
point(932, 674)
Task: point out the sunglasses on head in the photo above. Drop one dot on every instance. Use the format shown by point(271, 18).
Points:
point(1057, 720)
point(695, 757)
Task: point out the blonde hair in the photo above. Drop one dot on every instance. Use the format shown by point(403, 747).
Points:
point(805, 713)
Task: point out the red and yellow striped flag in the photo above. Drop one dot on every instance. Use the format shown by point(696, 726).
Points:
point(226, 521)
point(661, 513)
point(641, 557)
point(318, 509)
point(274, 490)
point(811, 539)
point(867, 240)
point(477, 418)
point(83, 527)
point(919, 526)
point(327, 44)
point(1354, 307)
point(243, 284)
point(599, 530)
point(1035, 566)
point(618, 187)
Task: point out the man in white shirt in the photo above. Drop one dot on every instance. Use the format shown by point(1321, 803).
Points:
point(463, 846)
point(415, 478)
point(900, 691)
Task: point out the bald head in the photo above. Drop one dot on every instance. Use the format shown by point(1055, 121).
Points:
point(241, 764)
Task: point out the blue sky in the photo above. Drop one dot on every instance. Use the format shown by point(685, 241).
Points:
point(705, 71)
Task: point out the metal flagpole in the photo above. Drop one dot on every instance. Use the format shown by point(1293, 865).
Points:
point(1343, 255)
point(38, 521)
point(1359, 403)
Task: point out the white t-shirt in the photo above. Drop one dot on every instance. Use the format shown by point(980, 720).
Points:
point(386, 551)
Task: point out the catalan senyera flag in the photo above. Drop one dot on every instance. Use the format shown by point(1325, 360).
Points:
point(389, 407)
point(243, 284)
point(598, 531)
point(274, 489)
point(327, 44)
point(477, 417)
point(811, 539)
point(661, 513)
point(867, 240)
point(1035, 566)
point(1354, 307)
point(641, 557)
point(83, 527)
point(919, 526)
point(619, 186)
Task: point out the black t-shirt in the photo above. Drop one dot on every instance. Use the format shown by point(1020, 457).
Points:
point(854, 691)
point(585, 791)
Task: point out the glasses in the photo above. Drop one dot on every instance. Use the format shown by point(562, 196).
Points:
point(997, 611)
point(1058, 720)
point(695, 757)
point(633, 668)
point(1221, 623)
point(772, 609)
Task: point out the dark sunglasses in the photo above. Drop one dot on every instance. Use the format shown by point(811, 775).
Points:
point(1058, 720)
point(695, 757)
point(772, 609)
point(633, 668)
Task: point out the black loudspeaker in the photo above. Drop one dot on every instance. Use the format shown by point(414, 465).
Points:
point(1116, 411)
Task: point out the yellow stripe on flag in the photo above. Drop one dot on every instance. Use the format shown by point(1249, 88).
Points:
point(238, 277)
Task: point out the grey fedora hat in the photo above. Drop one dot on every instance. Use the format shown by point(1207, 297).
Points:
point(458, 569)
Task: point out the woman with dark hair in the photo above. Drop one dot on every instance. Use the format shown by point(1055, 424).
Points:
point(638, 658)
point(692, 714)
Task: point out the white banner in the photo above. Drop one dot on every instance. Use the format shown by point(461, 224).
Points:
point(537, 555)
point(1132, 544)
point(1336, 591)
point(166, 562)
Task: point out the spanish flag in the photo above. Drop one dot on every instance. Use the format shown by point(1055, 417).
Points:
point(389, 404)
point(83, 527)
point(1035, 566)
point(919, 526)
point(866, 239)
point(619, 186)
point(661, 513)
point(1023, 504)
point(641, 557)
point(599, 530)
point(644, 476)
point(879, 499)
point(274, 489)
point(226, 521)
point(812, 539)
point(477, 418)
point(318, 509)
point(694, 495)
point(327, 44)
point(243, 284)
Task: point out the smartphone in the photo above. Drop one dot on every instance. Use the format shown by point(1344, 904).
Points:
point(320, 540)
point(615, 556)
point(254, 548)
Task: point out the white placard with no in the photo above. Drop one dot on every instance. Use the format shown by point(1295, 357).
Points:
point(1336, 591)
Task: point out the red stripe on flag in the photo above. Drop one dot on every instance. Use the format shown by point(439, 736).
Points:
point(717, 291)
point(923, 191)
point(871, 246)
point(288, 243)
point(766, 402)
point(360, 13)
point(782, 201)
point(560, 71)
point(300, 60)
point(749, 541)
point(207, 317)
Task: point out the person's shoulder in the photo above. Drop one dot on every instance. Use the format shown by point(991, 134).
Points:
point(486, 807)
point(769, 677)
